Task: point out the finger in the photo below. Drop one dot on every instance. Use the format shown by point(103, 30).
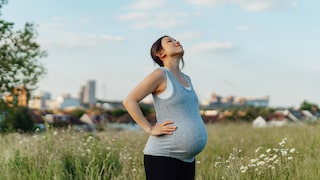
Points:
point(167, 123)
point(168, 132)
point(169, 128)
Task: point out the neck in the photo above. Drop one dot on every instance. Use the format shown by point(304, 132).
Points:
point(173, 65)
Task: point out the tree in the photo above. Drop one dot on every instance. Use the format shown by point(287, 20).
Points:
point(19, 57)
point(19, 119)
point(305, 105)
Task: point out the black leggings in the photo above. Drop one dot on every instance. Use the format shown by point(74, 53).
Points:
point(166, 168)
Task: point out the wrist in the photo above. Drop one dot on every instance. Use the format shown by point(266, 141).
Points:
point(149, 130)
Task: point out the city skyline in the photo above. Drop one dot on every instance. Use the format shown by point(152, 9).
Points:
point(249, 48)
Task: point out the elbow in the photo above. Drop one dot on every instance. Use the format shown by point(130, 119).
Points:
point(128, 102)
point(125, 103)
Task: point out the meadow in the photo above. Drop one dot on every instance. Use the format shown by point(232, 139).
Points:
point(234, 151)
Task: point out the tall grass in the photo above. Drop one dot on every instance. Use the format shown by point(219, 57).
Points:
point(234, 151)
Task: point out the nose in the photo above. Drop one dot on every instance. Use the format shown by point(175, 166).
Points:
point(178, 43)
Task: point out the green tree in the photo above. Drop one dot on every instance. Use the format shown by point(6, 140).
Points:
point(18, 119)
point(305, 105)
point(19, 56)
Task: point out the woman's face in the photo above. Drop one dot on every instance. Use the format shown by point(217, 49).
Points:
point(171, 47)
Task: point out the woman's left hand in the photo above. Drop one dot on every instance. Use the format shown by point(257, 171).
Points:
point(162, 128)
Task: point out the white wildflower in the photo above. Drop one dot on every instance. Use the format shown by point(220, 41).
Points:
point(243, 169)
point(292, 150)
point(274, 157)
point(88, 151)
point(271, 167)
point(283, 142)
point(268, 150)
point(284, 152)
point(253, 160)
point(258, 149)
point(217, 164)
point(267, 159)
point(262, 156)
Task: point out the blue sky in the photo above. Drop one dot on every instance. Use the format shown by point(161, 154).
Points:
point(246, 48)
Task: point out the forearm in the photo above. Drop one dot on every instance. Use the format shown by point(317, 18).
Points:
point(135, 112)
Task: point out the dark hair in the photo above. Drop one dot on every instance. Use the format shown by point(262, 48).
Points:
point(155, 48)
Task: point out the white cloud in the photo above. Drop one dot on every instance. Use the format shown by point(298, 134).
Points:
point(161, 20)
point(207, 3)
point(245, 28)
point(71, 39)
point(136, 15)
point(258, 6)
point(56, 33)
point(213, 46)
point(147, 4)
point(84, 20)
point(250, 5)
point(188, 36)
point(160, 14)
point(159, 23)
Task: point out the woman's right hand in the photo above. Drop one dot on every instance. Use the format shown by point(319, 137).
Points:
point(162, 128)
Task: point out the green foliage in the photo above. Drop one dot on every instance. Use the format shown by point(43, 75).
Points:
point(84, 157)
point(77, 113)
point(60, 124)
point(248, 113)
point(305, 105)
point(234, 151)
point(146, 109)
point(19, 57)
point(118, 112)
point(18, 119)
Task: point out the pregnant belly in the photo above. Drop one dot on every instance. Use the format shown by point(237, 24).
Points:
point(185, 143)
point(189, 140)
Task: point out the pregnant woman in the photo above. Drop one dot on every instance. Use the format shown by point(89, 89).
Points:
point(179, 134)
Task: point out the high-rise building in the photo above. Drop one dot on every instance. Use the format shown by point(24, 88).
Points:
point(88, 93)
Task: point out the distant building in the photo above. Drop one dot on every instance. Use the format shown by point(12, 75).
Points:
point(39, 100)
point(258, 102)
point(218, 101)
point(63, 102)
point(87, 94)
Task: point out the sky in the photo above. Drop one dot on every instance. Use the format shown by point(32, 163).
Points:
point(249, 48)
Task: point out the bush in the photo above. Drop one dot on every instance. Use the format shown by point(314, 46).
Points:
point(18, 119)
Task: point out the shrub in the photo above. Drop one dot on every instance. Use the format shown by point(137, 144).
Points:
point(18, 119)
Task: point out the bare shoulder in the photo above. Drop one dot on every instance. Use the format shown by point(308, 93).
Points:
point(160, 80)
point(156, 76)
point(158, 73)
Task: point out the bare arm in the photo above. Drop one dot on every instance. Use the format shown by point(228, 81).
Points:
point(153, 83)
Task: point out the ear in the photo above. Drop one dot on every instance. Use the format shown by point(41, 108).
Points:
point(161, 54)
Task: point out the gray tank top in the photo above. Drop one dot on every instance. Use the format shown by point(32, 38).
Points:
point(182, 107)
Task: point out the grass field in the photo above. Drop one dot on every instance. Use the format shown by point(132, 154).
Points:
point(234, 151)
